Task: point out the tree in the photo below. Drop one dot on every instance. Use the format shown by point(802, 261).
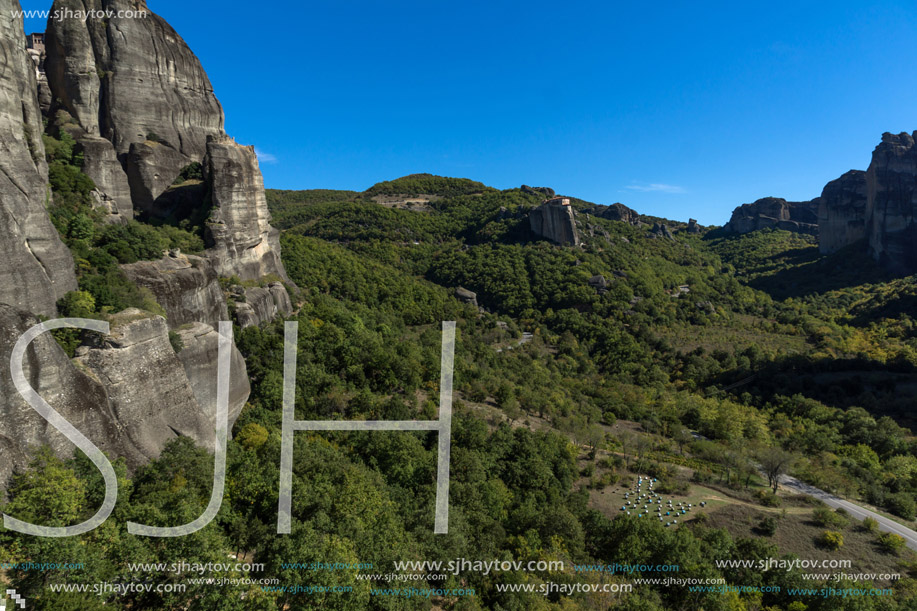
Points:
point(775, 462)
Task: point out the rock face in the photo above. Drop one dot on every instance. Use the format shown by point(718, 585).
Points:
point(77, 397)
point(241, 240)
point(263, 304)
point(150, 395)
point(555, 220)
point(543, 191)
point(618, 212)
point(800, 217)
point(132, 81)
point(126, 78)
point(891, 208)
point(100, 163)
point(199, 357)
point(693, 227)
point(37, 268)
point(842, 212)
point(466, 296)
point(186, 286)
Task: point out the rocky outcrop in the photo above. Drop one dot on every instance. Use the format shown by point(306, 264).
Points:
point(199, 357)
point(891, 208)
point(555, 221)
point(148, 388)
point(79, 398)
point(618, 212)
point(842, 212)
point(466, 296)
point(151, 168)
point(37, 268)
point(185, 286)
point(692, 227)
point(660, 230)
point(241, 240)
point(259, 305)
point(775, 212)
point(100, 163)
point(542, 191)
point(130, 77)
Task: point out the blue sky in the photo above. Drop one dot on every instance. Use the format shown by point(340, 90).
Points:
point(678, 110)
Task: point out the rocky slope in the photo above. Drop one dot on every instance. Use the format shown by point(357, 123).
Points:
point(801, 217)
point(37, 268)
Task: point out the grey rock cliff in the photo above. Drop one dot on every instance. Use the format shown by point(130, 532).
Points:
point(241, 240)
point(800, 217)
point(618, 212)
point(37, 268)
point(151, 397)
point(185, 286)
point(100, 163)
point(126, 78)
point(891, 208)
point(134, 82)
point(77, 397)
point(263, 304)
point(555, 221)
point(842, 212)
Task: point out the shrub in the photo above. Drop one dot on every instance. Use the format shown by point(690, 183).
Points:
point(902, 504)
point(767, 526)
point(767, 498)
point(831, 540)
point(177, 343)
point(830, 519)
point(870, 525)
point(192, 171)
point(891, 543)
point(252, 436)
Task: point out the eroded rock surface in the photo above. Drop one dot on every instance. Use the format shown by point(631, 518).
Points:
point(842, 212)
point(555, 221)
point(776, 212)
point(891, 192)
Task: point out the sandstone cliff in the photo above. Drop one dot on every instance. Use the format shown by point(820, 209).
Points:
point(842, 212)
point(37, 268)
point(554, 220)
point(891, 206)
point(241, 240)
point(131, 82)
point(776, 212)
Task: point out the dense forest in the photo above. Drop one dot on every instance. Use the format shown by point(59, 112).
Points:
point(710, 363)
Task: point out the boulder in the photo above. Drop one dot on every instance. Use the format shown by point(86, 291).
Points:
point(547, 192)
point(618, 212)
point(466, 296)
point(693, 227)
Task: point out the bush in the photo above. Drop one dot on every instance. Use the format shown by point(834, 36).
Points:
point(902, 504)
point(192, 171)
point(767, 526)
point(870, 525)
point(252, 436)
point(891, 543)
point(830, 519)
point(177, 343)
point(831, 540)
point(767, 498)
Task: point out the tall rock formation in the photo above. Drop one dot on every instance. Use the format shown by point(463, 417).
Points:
point(554, 220)
point(133, 81)
point(891, 202)
point(800, 217)
point(242, 241)
point(842, 212)
point(37, 268)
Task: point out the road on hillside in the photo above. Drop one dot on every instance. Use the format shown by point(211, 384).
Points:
point(856, 511)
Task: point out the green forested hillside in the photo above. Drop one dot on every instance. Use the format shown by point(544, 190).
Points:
point(703, 358)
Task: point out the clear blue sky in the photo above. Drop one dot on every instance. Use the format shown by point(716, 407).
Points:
point(678, 110)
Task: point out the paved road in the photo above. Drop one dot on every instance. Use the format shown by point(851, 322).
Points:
point(856, 511)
